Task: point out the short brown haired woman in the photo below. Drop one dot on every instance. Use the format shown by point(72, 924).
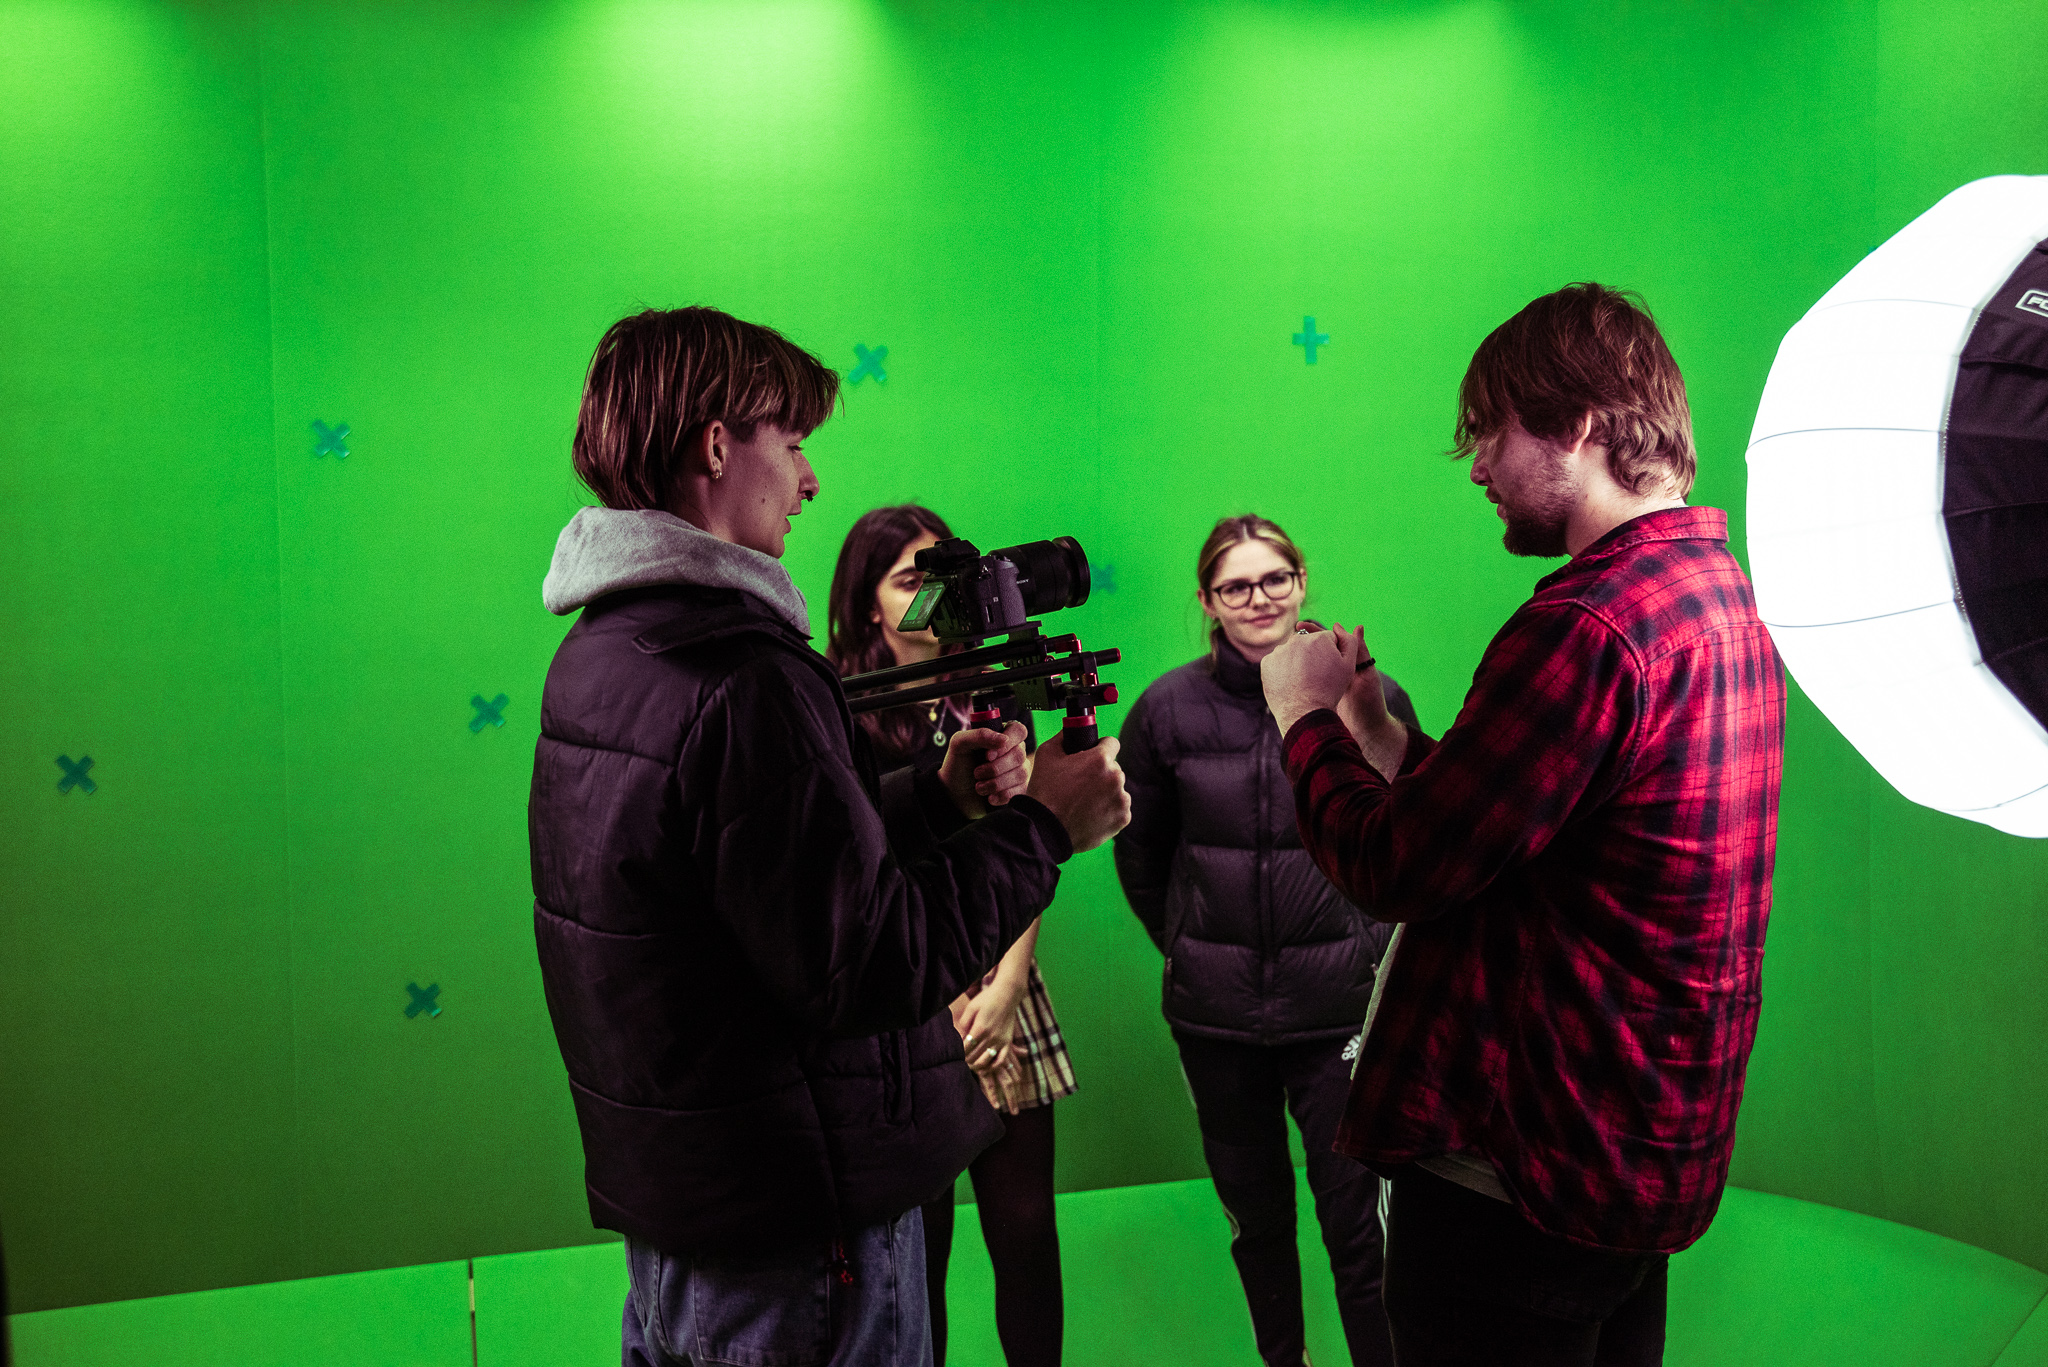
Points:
point(1009, 1035)
point(1268, 969)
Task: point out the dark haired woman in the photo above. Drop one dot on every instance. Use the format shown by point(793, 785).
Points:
point(1006, 1024)
point(1268, 969)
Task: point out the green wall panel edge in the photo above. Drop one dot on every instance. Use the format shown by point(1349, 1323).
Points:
point(550, 1307)
point(398, 1317)
point(145, 1007)
point(2029, 1347)
point(1776, 1280)
point(1781, 1280)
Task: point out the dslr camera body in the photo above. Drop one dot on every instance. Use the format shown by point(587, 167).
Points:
point(966, 598)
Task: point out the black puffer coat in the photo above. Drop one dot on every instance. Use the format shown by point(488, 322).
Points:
point(747, 962)
point(1259, 947)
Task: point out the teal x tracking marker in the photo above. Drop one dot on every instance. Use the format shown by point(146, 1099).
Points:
point(330, 441)
point(423, 999)
point(1308, 339)
point(870, 364)
point(75, 774)
point(490, 713)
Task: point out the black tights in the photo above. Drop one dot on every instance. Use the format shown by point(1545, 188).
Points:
point(1013, 1191)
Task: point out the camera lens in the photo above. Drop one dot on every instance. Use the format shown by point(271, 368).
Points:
point(1051, 574)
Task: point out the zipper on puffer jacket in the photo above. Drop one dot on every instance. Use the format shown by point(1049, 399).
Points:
point(1262, 853)
point(1267, 757)
point(895, 1062)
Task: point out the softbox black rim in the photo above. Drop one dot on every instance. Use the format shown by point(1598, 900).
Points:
point(1995, 482)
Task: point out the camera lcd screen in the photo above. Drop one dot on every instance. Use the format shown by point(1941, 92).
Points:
point(919, 615)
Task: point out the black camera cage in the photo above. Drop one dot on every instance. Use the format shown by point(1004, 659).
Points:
point(1022, 673)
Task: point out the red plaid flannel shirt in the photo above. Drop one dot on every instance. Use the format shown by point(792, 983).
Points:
point(1583, 864)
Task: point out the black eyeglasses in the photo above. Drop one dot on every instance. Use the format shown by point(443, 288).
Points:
point(1277, 586)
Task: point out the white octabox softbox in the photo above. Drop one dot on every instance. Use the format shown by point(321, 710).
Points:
point(1898, 505)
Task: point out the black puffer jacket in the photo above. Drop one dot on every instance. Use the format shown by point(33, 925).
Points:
point(1259, 947)
point(748, 963)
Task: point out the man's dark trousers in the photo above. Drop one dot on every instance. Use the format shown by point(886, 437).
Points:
point(1470, 1283)
point(1243, 1093)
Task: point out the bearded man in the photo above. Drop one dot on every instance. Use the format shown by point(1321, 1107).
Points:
point(1581, 868)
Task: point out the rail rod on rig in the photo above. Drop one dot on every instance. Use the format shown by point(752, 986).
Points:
point(1080, 662)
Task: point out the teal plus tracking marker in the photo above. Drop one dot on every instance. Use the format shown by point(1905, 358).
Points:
point(330, 441)
point(490, 713)
point(1308, 339)
point(75, 774)
point(1104, 577)
point(423, 999)
point(870, 365)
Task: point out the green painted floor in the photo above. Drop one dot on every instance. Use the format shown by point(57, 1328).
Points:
point(1149, 1280)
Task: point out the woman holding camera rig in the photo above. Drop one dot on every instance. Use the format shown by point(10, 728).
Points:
point(1008, 1032)
point(1268, 969)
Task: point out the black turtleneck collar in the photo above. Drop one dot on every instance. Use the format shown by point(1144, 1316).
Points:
point(1237, 674)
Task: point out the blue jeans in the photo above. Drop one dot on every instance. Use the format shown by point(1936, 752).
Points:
point(856, 1302)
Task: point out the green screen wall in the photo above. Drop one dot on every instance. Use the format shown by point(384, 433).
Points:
point(1085, 234)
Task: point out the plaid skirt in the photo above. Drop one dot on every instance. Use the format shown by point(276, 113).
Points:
point(1039, 1071)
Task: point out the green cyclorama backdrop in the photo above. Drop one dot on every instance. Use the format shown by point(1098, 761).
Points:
point(1086, 240)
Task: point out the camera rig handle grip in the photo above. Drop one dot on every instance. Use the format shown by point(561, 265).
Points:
point(1078, 731)
point(994, 709)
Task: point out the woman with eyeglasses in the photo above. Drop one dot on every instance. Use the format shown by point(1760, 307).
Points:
point(1268, 968)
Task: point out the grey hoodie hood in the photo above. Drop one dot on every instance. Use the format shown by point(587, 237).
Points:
point(603, 550)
